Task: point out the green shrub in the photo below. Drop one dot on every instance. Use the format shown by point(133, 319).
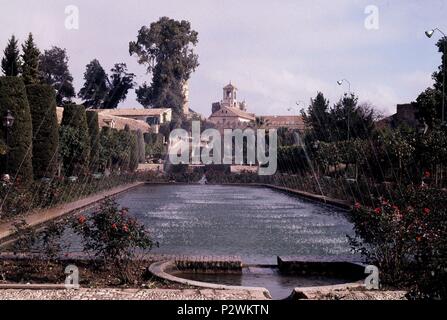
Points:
point(18, 160)
point(93, 130)
point(74, 141)
point(134, 152)
point(407, 239)
point(141, 147)
point(42, 100)
point(111, 235)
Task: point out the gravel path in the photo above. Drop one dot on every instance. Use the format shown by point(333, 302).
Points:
point(129, 294)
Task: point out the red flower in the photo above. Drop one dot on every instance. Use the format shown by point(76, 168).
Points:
point(125, 228)
point(82, 219)
point(427, 211)
point(357, 205)
point(378, 210)
point(418, 238)
point(114, 226)
point(427, 174)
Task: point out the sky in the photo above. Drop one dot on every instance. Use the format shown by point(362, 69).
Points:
point(278, 52)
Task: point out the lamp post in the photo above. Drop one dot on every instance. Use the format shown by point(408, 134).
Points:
point(340, 83)
point(8, 122)
point(429, 34)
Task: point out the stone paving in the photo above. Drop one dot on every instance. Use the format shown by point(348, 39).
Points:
point(130, 294)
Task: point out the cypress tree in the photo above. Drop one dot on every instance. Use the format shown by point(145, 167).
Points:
point(18, 159)
point(93, 131)
point(42, 100)
point(30, 56)
point(141, 147)
point(75, 141)
point(11, 59)
point(134, 152)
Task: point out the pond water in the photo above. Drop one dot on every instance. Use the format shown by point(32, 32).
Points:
point(254, 223)
point(279, 285)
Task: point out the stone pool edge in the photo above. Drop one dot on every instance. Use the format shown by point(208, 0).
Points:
point(303, 194)
point(160, 270)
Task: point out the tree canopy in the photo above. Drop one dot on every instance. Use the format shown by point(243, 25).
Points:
point(53, 70)
point(95, 88)
point(11, 60)
point(166, 48)
point(30, 57)
point(100, 92)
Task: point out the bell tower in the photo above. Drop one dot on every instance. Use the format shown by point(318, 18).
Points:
point(230, 96)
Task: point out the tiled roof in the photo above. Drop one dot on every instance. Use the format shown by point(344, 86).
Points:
point(283, 121)
point(133, 112)
point(120, 122)
point(233, 112)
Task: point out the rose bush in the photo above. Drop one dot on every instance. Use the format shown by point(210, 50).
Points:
point(110, 234)
point(406, 238)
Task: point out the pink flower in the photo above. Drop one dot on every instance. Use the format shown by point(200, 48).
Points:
point(427, 211)
point(378, 211)
point(114, 226)
point(82, 219)
point(357, 205)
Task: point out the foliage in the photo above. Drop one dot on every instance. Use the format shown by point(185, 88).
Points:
point(17, 199)
point(93, 131)
point(292, 159)
point(166, 48)
point(344, 121)
point(42, 102)
point(53, 70)
point(406, 239)
point(141, 147)
point(429, 102)
point(11, 63)
point(317, 117)
point(121, 81)
point(110, 234)
point(154, 145)
point(30, 57)
point(134, 152)
point(74, 140)
point(18, 160)
point(100, 92)
point(94, 91)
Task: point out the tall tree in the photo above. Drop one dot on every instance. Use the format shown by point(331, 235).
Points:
point(317, 118)
point(95, 87)
point(121, 81)
point(53, 69)
point(93, 131)
point(348, 120)
point(30, 57)
point(11, 59)
point(18, 159)
point(42, 100)
point(100, 92)
point(166, 49)
point(74, 140)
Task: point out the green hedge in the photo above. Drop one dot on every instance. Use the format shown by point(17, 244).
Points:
point(93, 130)
point(18, 160)
point(42, 100)
point(75, 141)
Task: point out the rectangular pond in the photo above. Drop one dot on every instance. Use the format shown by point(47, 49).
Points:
point(255, 223)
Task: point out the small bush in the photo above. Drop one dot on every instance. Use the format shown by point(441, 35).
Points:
point(110, 234)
